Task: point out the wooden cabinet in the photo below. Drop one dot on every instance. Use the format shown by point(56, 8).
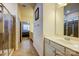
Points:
point(70, 52)
point(49, 51)
point(47, 41)
point(57, 46)
point(52, 49)
point(55, 49)
point(59, 53)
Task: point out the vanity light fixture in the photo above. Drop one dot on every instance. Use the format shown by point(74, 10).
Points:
point(61, 4)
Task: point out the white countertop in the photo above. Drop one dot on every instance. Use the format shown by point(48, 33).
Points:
point(72, 44)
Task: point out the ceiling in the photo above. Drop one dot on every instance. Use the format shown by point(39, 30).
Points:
point(27, 4)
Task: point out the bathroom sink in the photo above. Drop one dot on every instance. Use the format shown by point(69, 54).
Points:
point(70, 42)
point(76, 45)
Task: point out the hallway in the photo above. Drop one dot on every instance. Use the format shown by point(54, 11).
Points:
point(25, 49)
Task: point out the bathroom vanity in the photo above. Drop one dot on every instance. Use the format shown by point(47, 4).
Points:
point(63, 22)
point(58, 46)
point(68, 44)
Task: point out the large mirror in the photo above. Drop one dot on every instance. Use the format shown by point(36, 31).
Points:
point(67, 19)
point(71, 19)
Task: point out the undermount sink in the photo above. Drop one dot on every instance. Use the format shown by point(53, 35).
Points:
point(76, 45)
point(66, 38)
point(71, 42)
point(67, 41)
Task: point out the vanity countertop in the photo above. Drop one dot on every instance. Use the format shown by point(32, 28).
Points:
point(71, 44)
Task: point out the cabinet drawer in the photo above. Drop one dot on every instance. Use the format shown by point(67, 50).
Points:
point(46, 41)
point(70, 52)
point(58, 53)
point(49, 51)
point(57, 46)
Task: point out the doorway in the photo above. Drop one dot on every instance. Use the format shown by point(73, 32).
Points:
point(24, 30)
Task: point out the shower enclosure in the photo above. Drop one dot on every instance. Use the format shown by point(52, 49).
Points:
point(6, 24)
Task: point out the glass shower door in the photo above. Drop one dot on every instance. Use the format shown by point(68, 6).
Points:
point(6, 36)
point(6, 40)
point(8, 33)
point(1, 33)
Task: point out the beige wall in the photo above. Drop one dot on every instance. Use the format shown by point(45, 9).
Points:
point(26, 14)
point(38, 39)
point(59, 20)
point(49, 19)
point(53, 19)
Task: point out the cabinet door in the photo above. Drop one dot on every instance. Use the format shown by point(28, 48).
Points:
point(59, 53)
point(69, 52)
point(49, 51)
point(57, 46)
point(46, 41)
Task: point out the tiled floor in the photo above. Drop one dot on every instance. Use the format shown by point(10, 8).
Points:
point(26, 49)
